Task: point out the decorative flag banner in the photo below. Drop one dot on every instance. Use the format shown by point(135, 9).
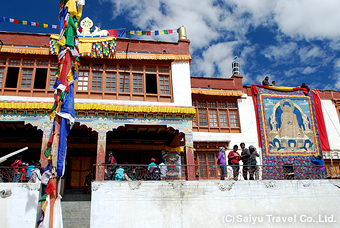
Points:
point(112, 32)
point(15, 21)
point(150, 32)
point(95, 47)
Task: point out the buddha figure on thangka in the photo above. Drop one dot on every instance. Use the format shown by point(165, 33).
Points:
point(288, 124)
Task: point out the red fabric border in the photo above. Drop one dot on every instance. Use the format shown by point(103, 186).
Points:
point(320, 121)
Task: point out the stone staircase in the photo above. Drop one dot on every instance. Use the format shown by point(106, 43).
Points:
point(76, 209)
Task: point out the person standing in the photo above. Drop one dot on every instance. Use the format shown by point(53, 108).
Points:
point(35, 174)
point(221, 162)
point(253, 155)
point(112, 161)
point(246, 160)
point(319, 163)
point(163, 169)
point(17, 171)
point(234, 159)
point(265, 82)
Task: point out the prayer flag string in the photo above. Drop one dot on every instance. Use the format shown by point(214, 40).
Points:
point(127, 32)
point(22, 22)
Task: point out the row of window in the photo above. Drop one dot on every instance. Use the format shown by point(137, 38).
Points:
point(216, 114)
point(112, 77)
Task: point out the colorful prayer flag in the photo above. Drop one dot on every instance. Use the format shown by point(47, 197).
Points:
point(156, 32)
point(148, 33)
point(139, 33)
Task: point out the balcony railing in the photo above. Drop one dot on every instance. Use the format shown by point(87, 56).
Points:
point(138, 172)
point(181, 172)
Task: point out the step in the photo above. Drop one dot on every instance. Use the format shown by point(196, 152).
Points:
point(76, 214)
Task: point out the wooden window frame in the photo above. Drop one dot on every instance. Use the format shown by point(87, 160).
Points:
point(159, 68)
point(202, 103)
point(213, 167)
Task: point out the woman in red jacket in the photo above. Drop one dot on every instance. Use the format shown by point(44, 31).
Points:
point(234, 161)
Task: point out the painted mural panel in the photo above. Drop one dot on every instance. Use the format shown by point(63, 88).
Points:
point(288, 125)
point(288, 132)
point(173, 161)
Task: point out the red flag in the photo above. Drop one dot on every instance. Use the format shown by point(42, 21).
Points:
point(113, 32)
point(170, 31)
point(148, 33)
point(50, 188)
point(15, 21)
point(37, 24)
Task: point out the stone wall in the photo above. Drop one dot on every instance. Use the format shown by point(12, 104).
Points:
point(22, 207)
point(216, 204)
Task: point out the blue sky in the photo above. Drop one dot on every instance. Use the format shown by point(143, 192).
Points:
point(291, 41)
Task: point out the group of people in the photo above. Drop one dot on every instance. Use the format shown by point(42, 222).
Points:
point(26, 172)
point(128, 173)
point(247, 156)
point(265, 82)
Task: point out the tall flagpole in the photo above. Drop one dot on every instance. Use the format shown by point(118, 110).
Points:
point(63, 112)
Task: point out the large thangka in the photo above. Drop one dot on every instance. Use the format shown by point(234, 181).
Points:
point(288, 129)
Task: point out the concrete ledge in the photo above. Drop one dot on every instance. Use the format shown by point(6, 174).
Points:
point(215, 203)
point(22, 207)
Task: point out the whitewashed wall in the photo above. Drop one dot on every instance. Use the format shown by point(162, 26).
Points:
point(181, 83)
point(332, 123)
point(21, 208)
point(214, 203)
point(248, 125)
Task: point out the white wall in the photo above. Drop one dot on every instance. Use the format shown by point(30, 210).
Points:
point(21, 208)
point(181, 83)
point(209, 203)
point(332, 123)
point(248, 124)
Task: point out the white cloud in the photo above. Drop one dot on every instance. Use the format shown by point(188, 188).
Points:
point(283, 52)
point(309, 70)
point(218, 30)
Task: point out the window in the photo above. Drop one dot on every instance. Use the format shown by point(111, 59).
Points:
point(52, 78)
point(124, 67)
point(202, 117)
point(150, 68)
point(42, 63)
point(164, 69)
point(216, 116)
point(97, 66)
point(26, 78)
point(111, 82)
point(137, 83)
point(223, 118)
point(212, 118)
point(83, 80)
point(124, 83)
point(151, 83)
point(164, 84)
point(40, 78)
point(2, 61)
point(14, 62)
point(233, 119)
point(207, 162)
point(2, 70)
point(111, 67)
point(137, 68)
point(97, 81)
point(28, 62)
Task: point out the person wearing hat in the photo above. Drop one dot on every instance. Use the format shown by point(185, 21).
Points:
point(152, 165)
point(221, 162)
